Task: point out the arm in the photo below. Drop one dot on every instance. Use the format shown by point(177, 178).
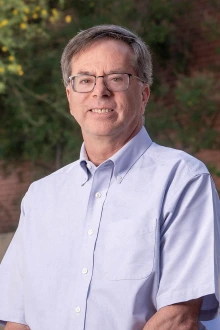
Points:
point(189, 264)
point(181, 316)
point(16, 326)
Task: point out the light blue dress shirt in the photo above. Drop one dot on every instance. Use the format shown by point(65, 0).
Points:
point(106, 247)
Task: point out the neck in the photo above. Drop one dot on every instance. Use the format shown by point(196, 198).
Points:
point(99, 149)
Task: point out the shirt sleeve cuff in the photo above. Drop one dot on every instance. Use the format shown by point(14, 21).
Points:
point(16, 317)
point(210, 305)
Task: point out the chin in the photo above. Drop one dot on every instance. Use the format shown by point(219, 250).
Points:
point(101, 131)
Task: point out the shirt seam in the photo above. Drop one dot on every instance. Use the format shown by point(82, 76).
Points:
point(184, 185)
point(178, 156)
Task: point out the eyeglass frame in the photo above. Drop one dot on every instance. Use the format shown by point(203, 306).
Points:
point(91, 75)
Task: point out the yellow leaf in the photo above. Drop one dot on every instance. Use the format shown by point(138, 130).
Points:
point(54, 12)
point(11, 67)
point(20, 73)
point(35, 16)
point(26, 10)
point(11, 58)
point(4, 49)
point(44, 12)
point(68, 19)
point(4, 23)
point(23, 26)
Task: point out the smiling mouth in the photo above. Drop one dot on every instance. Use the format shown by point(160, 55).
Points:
point(101, 110)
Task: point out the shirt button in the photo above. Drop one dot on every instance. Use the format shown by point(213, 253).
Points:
point(77, 309)
point(90, 232)
point(89, 166)
point(84, 271)
point(98, 195)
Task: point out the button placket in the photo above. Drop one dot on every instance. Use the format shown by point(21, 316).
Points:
point(100, 184)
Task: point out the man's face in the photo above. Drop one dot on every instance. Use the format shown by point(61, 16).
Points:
point(122, 118)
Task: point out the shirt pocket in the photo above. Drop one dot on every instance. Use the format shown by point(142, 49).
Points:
point(129, 249)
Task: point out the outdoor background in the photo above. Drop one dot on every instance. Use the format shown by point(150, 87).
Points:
point(37, 134)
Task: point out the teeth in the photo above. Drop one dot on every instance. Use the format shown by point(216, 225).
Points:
point(101, 110)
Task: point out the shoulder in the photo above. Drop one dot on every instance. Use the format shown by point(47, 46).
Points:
point(176, 160)
point(175, 171)
point(55, 179)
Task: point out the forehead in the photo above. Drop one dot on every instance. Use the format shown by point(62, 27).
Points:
point(104, 54)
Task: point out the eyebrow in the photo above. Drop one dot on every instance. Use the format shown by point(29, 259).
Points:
point(119, 70)
point(84, 72)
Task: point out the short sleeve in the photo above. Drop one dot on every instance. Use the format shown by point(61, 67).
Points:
point(11, 280)
point(190, 247)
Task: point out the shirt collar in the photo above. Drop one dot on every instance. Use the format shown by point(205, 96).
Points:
point(128, 155)
point(84, 163)
point(123, 159)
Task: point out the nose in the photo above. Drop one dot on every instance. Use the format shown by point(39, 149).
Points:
point(100, 89)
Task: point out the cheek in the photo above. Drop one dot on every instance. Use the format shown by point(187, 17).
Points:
point(76, 102)
point(75, 109)
point(132, 104)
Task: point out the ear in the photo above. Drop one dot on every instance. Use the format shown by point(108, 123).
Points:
point(68, 93)
point(145, 96)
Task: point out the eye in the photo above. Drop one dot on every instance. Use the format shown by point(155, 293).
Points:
point(116, 78)
point(85, 81)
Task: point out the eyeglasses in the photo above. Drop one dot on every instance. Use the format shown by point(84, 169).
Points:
point(114, 82)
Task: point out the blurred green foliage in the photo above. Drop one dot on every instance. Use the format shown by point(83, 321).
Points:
point(34, 118)
point(191, 121)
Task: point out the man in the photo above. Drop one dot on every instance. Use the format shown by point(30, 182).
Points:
point(127, 237)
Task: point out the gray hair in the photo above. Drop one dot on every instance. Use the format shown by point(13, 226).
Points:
point(142, 56)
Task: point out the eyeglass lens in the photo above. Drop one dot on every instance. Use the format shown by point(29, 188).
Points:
point(114, 82)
